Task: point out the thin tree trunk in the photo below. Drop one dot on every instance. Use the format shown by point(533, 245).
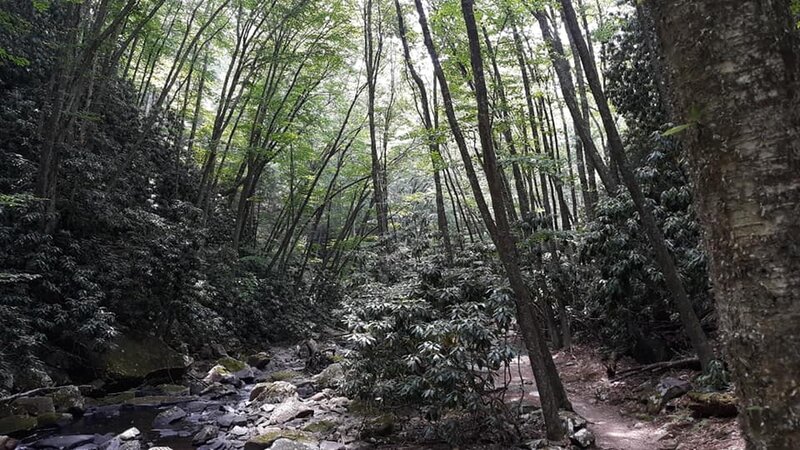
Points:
point(663, 257)
point(551, 391)
point(433, 146)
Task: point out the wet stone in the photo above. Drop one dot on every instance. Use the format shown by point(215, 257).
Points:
point(64, 442)
point(168, 417)
point(287, 444)
point(231, 419)
point(205, 434)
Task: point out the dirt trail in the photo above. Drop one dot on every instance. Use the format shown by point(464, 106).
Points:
point(612, 430)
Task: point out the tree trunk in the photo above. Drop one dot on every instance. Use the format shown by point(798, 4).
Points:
point(458, 135)
point(663, 257)
point(372, 57)
point(744, 155)
point(433, 146)
point(549, 385)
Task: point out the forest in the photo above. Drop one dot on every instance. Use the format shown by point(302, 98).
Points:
point(399, 224)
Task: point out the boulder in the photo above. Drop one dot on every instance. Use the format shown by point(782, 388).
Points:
point(132, 359)
point(572, 421)
point(33, 406)
point(89, 446)
point(168, 417)
point(218, 390)
point(272, 392)
point(259, 360)
point(130, 433)
point(207, 433)
point(288, 444)
point(289, 409)
point(173, 390)
point(219, 374)
point(265, 441)
point(583, 438)
point(17, 423)
point(667, 389)
point(53, 419)
point(228, 420)
point(379, 426)
point(231, 364)
point(68, 399)
point(8, 443)
point(247, 375)
point(238, 431)
point(64, 442)
point(119, 444)
point(331, 445)
point(330, 377)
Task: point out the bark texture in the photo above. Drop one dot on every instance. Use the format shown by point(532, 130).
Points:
point(734, 69)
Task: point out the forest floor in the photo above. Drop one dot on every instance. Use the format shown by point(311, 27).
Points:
point(616, 410)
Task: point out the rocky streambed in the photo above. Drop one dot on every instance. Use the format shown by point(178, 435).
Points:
point(276, 400)
point(272, 404)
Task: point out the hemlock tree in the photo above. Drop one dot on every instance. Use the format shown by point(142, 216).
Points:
point(734, 68)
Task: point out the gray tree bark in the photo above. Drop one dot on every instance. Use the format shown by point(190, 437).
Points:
point(739, 87)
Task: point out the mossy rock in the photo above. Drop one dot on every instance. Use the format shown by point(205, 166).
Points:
point(174, 389)
point(68, 399)
point(712, 404)
point(233, 365)
point(53, 419)
point(17, 423)
point(273, 391)
point(379, 426)
point(33, 406)
point(159, 400)
point(321, 427)
point(283, 375)
point(363, 409)
point(133, 359)
point(265, 440)
point(117, 398)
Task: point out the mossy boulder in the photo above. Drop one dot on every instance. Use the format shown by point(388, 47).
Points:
point(283, 375)
point(33, 406)
point(68, 399)
point(320, 427)
point(16, 424)
point(380, 426)
point(330, 377)
point(117, 398)
point(232, 364)
point(133, 359)
point(712, 404)
point(53, 419)
point(272, 392)
point(266, 440)
point(259, 360)
point(173, 389)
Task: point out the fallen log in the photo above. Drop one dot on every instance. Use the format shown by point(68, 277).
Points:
point(693, 363)
point(711, 404)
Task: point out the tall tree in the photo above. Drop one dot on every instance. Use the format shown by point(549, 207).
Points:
point(373, 54)
point(738, 88)
point(665, 260)
point(551, 391)
point(430, 136)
